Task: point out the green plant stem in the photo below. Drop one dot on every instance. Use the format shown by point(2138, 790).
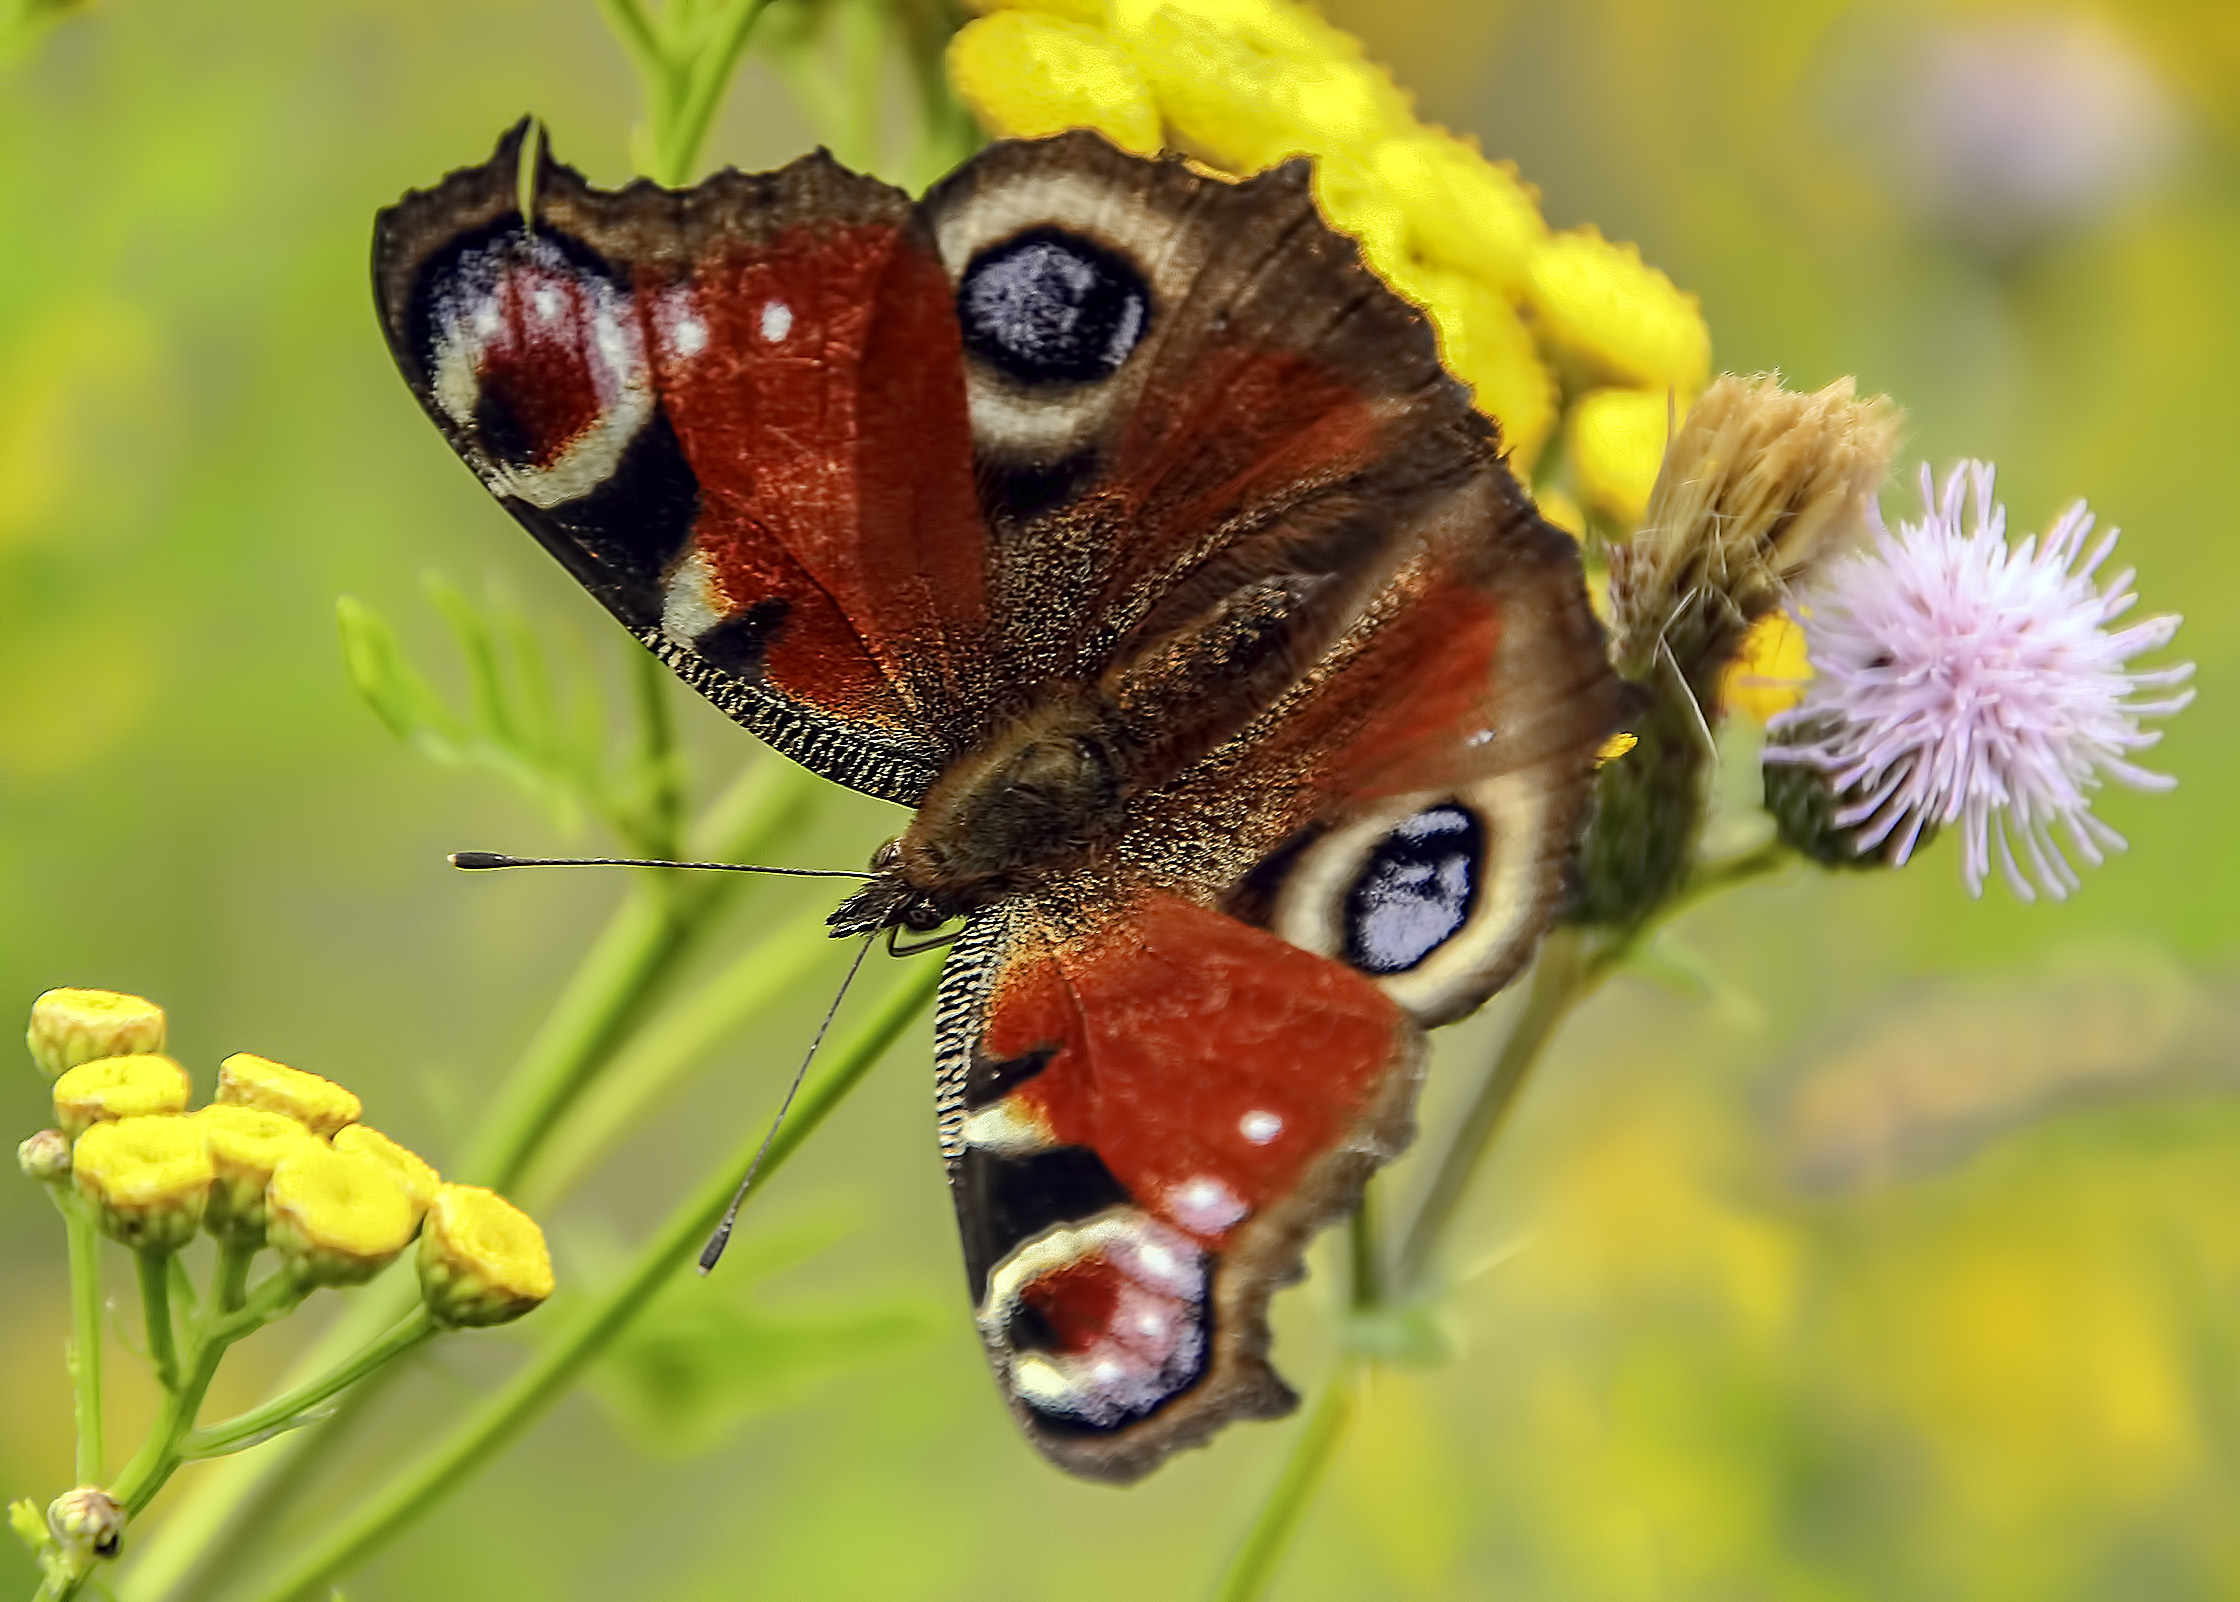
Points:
point(230, 1284)
point(1253, 1569)
point(538, 1385)
point(85, 1330)
point(1564, 976)
point(1366, 1260)
point(289, 1409)
point(155, 1308)
point(608, 995)
point(677, 146)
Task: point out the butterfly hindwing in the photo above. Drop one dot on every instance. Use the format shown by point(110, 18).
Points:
point(1147, 1108)
point(736, 413)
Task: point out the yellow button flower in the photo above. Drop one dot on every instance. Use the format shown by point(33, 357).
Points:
point(320, 1105)
point(1615, 319)
point(1484, 343)
point(482, 1259)
point(420, 1181)
point(1618, 438)
point(1463, 211)
point(1247, 83)
point(147, 1178)
point(71, 1026)
point(1768, 674)
point(118, 1087)
point(246, 1144)
point(336, 1218)
point(1030, 75)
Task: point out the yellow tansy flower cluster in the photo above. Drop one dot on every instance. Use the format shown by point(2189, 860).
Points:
point(279, 1159)
point(1552, 330)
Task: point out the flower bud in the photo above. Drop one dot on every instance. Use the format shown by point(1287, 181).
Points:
point(336, 1218)
point(482, 1259)
point(147, 1178)
point(420, 1181)
point(1804, 812)
point(45, 1156)
point(118, 1087)
point(246, 1144)
point(86, 1520)
point(71, 1026)
point(320, 1105)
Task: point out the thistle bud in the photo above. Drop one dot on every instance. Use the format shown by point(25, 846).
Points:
point(246, 1144)
point(1805, 809)
point(118, 1087)
point(86, 1521)
point(336, 1218)
point(482, 1259)
point(71, 1026)
point(320, 1105)
point(45, 1156)
point(420, 1181)
point(148, 1179)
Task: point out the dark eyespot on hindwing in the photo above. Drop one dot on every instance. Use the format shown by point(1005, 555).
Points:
point(1416, 890)
point(1050, 307)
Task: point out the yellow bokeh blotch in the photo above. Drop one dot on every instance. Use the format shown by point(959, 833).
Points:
point(1616, 319)
point(1767, 676)
point(1034, 74)
point(1617, 441)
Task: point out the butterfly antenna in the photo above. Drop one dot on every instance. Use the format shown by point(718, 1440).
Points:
point(476, 860)
point(722, 1237)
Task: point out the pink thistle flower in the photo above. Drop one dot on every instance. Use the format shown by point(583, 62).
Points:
point(1957, 680)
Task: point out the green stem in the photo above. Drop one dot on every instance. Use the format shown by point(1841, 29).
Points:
point(231, 1281)
point(288, 1410)
point(612, 989)
point(660, 825)
point(159, 1452)
point(1563, 977)
point(155, 1308)
point(541, 1383)
point(678, 144)
point(85, 1330)
point(1367, 1262)
point(1272, 1532)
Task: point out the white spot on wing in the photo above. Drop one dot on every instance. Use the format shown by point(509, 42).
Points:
point(694, 603)
point(1205, 1205)
point(689, 337)
point(547, 302)
point(1260, 1126)
point(777, 320)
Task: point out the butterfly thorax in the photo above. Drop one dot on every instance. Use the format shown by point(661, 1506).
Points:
point(1038, 796)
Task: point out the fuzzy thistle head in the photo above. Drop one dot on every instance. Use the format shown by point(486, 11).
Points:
point(1758, 485)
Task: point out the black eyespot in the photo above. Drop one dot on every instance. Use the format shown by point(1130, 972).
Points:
point(1416, 891)
point(1048, 307)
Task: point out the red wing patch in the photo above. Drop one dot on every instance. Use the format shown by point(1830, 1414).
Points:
point(1157, 1115)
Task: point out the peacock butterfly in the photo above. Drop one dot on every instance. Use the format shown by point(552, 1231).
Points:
point(1119, 520)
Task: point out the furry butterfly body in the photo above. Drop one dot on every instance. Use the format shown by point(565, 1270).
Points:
point(1116, 519)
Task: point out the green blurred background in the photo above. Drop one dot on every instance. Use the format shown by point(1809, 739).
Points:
point(1887, 1245)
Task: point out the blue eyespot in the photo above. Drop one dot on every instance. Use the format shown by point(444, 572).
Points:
point(1416, 891)
point(1049, 307)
